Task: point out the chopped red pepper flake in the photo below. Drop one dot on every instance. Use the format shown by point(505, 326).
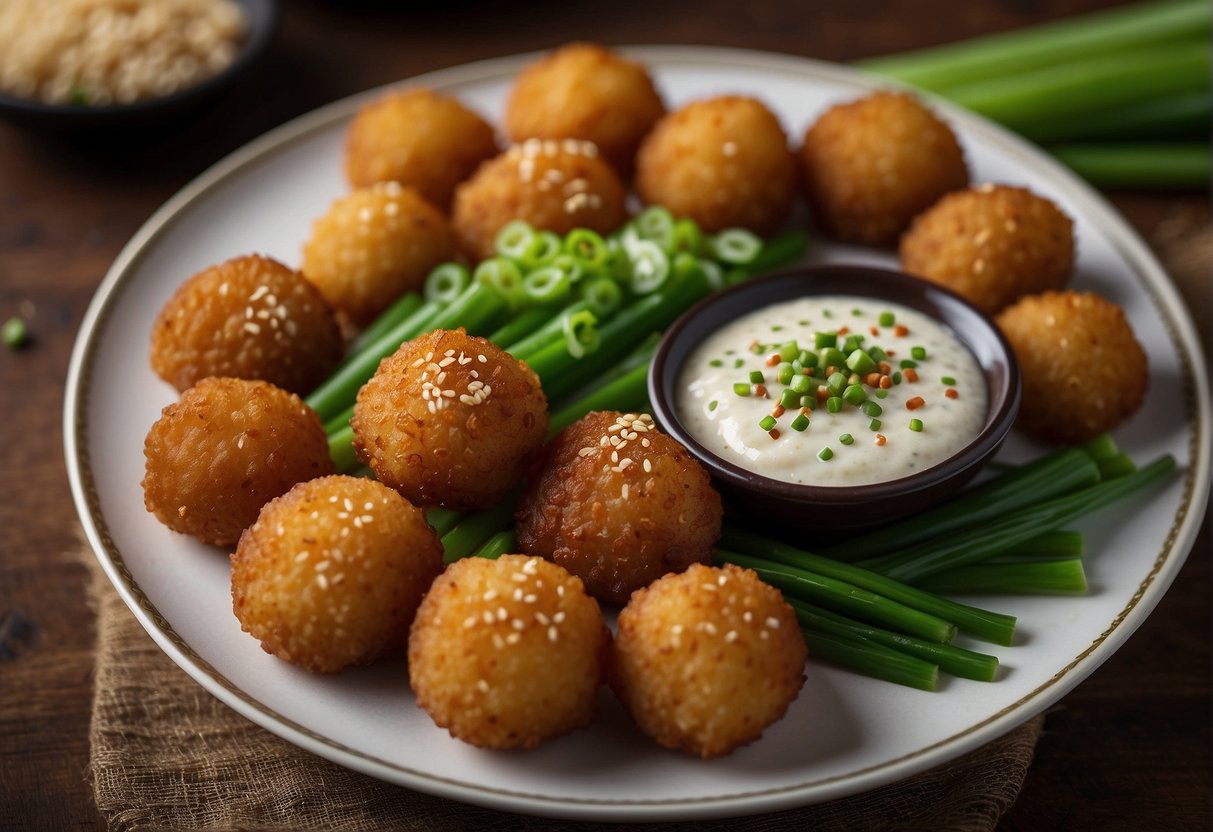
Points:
point(885, 382)
point(760, 390)
point(823, 393)
point(843, 330)
point(880, 439)
point(901, 330)
point(772, 359)
point(874, 330)
point(910, 374)
point(773, 433)
point(885, 367)
point(915, 403)
point(872, 379)
point(951, 393)
point(778, 410)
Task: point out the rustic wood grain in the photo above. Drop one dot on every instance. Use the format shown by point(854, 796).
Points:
point(1129, 749)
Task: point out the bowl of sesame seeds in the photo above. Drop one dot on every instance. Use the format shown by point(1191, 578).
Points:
point(836, 396)
point(98, 63)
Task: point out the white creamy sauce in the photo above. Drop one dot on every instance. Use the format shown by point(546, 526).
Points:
point(886, 449)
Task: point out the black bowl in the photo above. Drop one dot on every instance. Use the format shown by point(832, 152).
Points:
point(261, 18)
point(831, 507)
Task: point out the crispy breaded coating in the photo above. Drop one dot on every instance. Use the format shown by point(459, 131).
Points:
point(249, 317)
point(585, 91)
point(508, 653)
point(991, 245)
point(706, 660)
point(722, 162)
point(374, 245)
point(450, 420)
point(227, 448)
point(619, 504)
point(1083, 370)
point(553, 184)
point(419, 138)
point(870, 166)
point(331, 574)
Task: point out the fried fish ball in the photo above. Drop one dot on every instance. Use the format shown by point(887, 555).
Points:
point(450, 420)
point(619, 504)
point(722, 162)
point(1083, 370)
point(870, 166)
point(508, 653)
point(227, 448)
point(250, 317)
point(419, 138)
point(585, 91)
point(555, 185)
point(373, 246)
point(706, 660)
point(991, 245)
point(331, 574)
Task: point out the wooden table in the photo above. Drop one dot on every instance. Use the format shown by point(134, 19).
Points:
point(1128, 749)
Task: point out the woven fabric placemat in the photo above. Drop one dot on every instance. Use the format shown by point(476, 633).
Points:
point(166, 755)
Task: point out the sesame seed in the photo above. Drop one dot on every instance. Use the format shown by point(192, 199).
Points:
point(240, 441)
point(513, 638)
point(518, 577)
point(623, 492)
point(469, 622)
point(322, 565)
point(560, 591)
point(542, 618)
point(482, 686)
point(518, 624)
point(764, 634)
point(258, 293)
point(251, 327)
point(301, 556)
point(322, 582)
point(487, 615)
point(552, 634)
point(223, 288)
point(648, 466)
point(747, 616)
point(722, 579)
point(498, 641)
point(558, 617)
point(502, 614)
point(489, 594)
point(773, 623)
point(530, 567)
point(530, 598)
point(730, 636)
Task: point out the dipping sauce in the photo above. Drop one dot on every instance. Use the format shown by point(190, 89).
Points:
point(832, 390)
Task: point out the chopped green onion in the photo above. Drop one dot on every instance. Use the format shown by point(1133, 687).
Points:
point(588, 247)
point(580, 332)
point(547, 284)
point(504, 276)
point(687, 237)
point(887, 319)
point(860, 362)
point(736, 246)
point(515, 239)
point(847, 439)
point(741, 389)
point(800, 423)
point(916, 425)
point(715, 362)
point(871, 408)
point(712, 405)
point(790, 399)
point(836, 383)
point(786, 373)
point(446, 282)
point(657, 224)
point(767, 422)
point(650, 267)
point(907, 364)
point(825, 454)
point(756, 377)
point(821, 340)
point(918, 353)
point(802, 383)
point(948, 380)
point(874, 425)
point(834, 404)
point(16, 334)
point(855, 394)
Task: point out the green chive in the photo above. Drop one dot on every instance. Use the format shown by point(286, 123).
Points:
point(831, 357)
point(776, 328)
point(834, 404)
point(871, 408)
point(855, 394)
point(767, 422)
point(826, 313)
point(807, 359)
point(881, 393)
point(897, 378)
point(918, 352)
point(802, 383)
point(948, 380)
point(756, 377)
point(741, 389)
point(15, 334)
point(836, 383)
point(874, 425)
point(887, 319)
point(847, 439)
point(877, 354)
point(785, 373)
point(788, 350)
point(800, 423)
point(821, 340)
point(738, 363)
point(790, 399)
point(861, 362)
point(715, 362)
point(825, 454)
point(712, 405)
point(857, 312)
point(907, 364)
point(916, 425)
point(809, 401)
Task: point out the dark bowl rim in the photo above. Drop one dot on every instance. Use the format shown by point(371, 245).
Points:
point(862, 281)
point(255, 45)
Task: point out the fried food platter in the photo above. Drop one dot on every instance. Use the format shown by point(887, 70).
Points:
point(845, 734)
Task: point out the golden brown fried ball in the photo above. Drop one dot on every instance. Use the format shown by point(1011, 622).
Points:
point(584, 91)
point(420, 139)
point(555, 185)
point(508, 653)
point(872, 165)
point(705, 660)
point(1083, 370)
point(373, 246)
point(250, 317)
point(991, 245)
point(331, 574)
point(723, 162)
point(619, 505)
point(450, 420)
point(227, 448)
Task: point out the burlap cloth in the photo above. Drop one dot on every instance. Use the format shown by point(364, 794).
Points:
point(166, 755)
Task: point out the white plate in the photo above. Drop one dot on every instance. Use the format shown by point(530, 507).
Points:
point(846, 733)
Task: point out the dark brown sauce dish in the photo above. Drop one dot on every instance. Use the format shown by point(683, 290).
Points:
point(837, 507)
